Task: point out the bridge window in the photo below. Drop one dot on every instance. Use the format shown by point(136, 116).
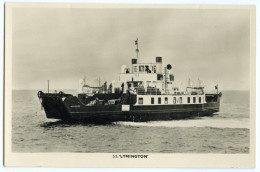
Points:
point(194, 99)
point(188, 99)
point(199, 99)
point(147, 69)
point(152, 100)
point(159, 77)
point(159, 100)
point(141, 68)
point(174, 100)
point(136, 69)
point(140, 100)
point(166, 100)
point(171, 78)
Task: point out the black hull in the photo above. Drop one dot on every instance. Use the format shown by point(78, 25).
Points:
point(70, 108)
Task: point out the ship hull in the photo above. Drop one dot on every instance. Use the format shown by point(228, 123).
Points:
point(70, 108)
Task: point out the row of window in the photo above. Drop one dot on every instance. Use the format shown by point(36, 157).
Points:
point(175, 100)
point(194, 100)
point(145, 68)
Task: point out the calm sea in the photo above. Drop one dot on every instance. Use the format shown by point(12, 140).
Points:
point(227, 132)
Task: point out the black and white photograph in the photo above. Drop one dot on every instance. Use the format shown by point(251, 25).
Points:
point(132, 82)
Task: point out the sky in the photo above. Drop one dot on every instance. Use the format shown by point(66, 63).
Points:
point(63, 45)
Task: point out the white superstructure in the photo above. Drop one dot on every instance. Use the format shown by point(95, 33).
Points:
point(153, 84)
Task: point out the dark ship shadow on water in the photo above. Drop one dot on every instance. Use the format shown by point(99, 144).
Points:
point(62, 123)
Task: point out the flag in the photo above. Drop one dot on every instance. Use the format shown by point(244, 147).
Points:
point(216, 86)
point(136, 41)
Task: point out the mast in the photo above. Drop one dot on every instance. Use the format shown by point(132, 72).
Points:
point(165, 79)
point(137, 50)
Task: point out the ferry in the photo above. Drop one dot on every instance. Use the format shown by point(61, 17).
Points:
point(146, 92)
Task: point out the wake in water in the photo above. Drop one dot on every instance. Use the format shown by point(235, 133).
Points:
point(198, 122)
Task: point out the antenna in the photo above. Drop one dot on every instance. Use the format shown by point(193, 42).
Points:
point(137, 50)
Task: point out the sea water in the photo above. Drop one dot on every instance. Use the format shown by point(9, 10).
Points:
point(226, 132)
